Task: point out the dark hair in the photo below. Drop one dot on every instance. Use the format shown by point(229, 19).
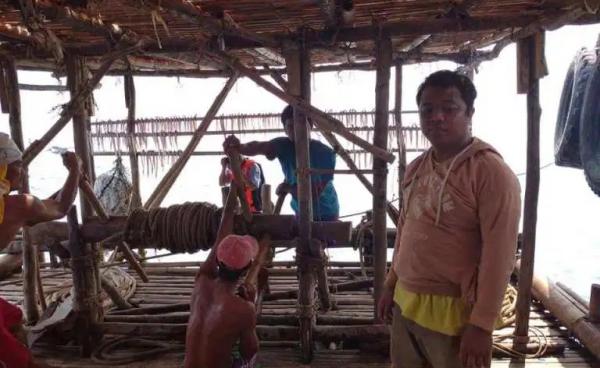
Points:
point(228, 274)
point(288, 113)
point(449, 79)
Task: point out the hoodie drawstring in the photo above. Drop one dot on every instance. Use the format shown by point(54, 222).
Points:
point(441, 193)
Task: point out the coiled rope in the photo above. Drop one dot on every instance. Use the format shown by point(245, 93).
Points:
point(106, 353)
point(507, 318)
point(187, 227)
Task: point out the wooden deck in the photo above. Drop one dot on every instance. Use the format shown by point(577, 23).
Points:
point(173, 285)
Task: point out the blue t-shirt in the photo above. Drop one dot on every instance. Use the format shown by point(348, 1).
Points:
point(326, 206)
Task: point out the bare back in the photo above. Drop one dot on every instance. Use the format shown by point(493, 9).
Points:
point(218, 320)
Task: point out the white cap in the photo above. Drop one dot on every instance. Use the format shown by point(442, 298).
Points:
point(9, 152)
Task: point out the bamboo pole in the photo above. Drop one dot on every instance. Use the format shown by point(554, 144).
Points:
point(567, 310)
point(382, 92)
point(306, 317)
point(85, 294)
point(76, 80)
point(399, 132)
point(130, 103)
point(71, 107)
point(323, 121)
point(531, 191)
point(114, 294)
point(31, 282)
point(4, 103)
point(167, 182)
point(594, 314)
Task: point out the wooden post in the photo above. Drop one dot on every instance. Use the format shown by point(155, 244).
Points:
point(529, 62)
point(594, 313)
point(85, 300)
point(399, 133)
point(265, 198)
point(168, 180)
point(295, 57)
point(30, 261)
point(76, 81)
point(382, 97)
point(136, 198)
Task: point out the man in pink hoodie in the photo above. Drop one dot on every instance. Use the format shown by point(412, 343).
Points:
point(456, 240)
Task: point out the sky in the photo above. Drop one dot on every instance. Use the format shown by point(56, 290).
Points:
point(568, 242)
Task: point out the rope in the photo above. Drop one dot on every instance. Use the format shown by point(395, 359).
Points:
point(507, 318)
point(106, 352)
point(188, 227)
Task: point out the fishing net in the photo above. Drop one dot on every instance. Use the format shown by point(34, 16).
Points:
point(114, 189)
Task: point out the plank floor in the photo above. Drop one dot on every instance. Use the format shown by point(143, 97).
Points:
point(173, 285)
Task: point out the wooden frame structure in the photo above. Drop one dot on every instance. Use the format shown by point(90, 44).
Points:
point(251, 39)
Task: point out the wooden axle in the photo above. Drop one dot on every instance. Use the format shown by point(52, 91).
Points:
point(280, 227)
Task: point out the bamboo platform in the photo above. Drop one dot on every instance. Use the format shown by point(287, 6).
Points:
point(171, 284)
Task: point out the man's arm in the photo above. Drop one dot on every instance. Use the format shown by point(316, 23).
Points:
point(209, 267)
point(224, 178)
point(253, 148)
point(499, 211)
point(249, 339)
point(386, 302)
point(57, 205)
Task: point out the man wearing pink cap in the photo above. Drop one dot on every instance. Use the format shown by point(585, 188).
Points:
point(223, 311)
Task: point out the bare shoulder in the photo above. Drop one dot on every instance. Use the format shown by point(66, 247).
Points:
point(20, 203)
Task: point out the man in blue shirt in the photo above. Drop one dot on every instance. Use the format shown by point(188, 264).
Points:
point(325, 201)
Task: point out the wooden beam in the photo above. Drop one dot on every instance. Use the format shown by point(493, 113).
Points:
point(320, 118)
point(79, 20)
point(380, 138)
point(276, 76)
point(42, 87)
point(195, 15)
point(168, 180)
point(30, 261)
point(531, 195)
point(71, 107)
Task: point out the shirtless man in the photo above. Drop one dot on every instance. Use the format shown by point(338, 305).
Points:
point(223, 314)
point(21, 210)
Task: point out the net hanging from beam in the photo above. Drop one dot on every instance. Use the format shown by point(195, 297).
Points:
point(158, 140)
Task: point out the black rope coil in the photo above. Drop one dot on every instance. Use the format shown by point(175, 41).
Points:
point(187, 227)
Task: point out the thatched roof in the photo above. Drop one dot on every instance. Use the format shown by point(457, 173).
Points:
point(340, 32)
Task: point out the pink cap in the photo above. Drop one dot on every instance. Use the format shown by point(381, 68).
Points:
point(236, 252)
